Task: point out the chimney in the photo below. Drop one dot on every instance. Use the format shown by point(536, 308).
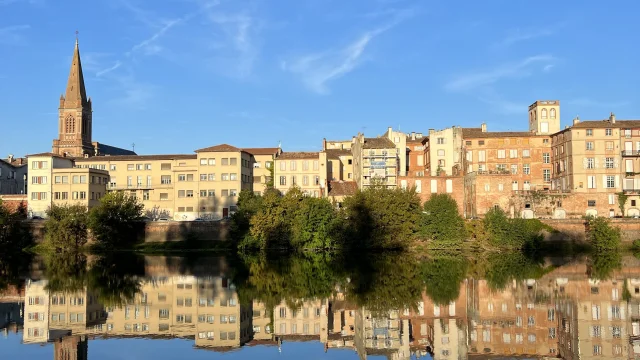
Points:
point(413, 135)
point(431, 131)
point(566, 126)
point(483, 126)
point(419, 135)
point(10, 158)
point(576, 120)
point(324, 143)
point(612, 118)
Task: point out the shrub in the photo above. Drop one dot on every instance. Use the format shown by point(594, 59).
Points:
point(442, 221)
point(66, 227)
point(635, 246)
point(114, 222)
point(601, 235)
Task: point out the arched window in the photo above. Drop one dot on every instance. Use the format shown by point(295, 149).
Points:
point(552, 113)
point(70, 125)
point(543, 114)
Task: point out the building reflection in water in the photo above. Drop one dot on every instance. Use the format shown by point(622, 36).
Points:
point(564, 314)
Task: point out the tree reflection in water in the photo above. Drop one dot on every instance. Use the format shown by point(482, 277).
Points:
point(393, 304)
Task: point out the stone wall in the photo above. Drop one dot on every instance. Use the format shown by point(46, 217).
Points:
point(161, 231)
point(575, 229)
point(13, 202)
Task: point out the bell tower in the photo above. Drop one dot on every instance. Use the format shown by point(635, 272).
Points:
point(74, 115)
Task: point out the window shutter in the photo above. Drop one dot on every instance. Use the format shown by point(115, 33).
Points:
point(609, 313)
point(622, 312)
point(604, 181)
point(617, 181)
point(594, 312)
point(591, 331)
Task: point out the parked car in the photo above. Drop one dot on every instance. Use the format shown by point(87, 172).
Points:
point(163, 219)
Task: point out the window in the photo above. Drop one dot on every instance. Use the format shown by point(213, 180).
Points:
point(611, 182)
point(441, 141)
point(283, 180)
point(468, 143)
point(39, 179)
point(233, 192)
point(224, 193)
point(608, 163)
point(514, 169)
point(203, 177)
point(501, 154)
point(211, 193)
point(526, 169)
point(609, 145)
point(482, 156)
point(305, 165)
point(589, 145)
point(233, 161)
point(233, 176)
point(532, 338)
point(441, 152)
point(145, 195)
point(543, 114)
point(203, 161)
point(165, 179)
point(591, 182)
point(39, 165)
point(292, 165)
point(189, 193)
point(589, 132)
point(224, 177)
point(608, 132)
point(480, 142)
point(591, 163)
point(181, 193)
point(591, 203)
point(546, 175)
point(513, 153)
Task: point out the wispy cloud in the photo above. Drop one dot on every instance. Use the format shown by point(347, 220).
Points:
point(132, 92)
point(239, 41)
point(511, 70)
point(318, 69)
point(520, 35)
point(109, 69)
point(586, 102)
point(501, 105)
point(12, 35)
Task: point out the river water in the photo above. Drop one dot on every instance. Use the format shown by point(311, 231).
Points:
point(375, 306)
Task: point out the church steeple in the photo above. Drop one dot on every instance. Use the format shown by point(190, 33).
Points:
point(75, 95)
point(74, 114)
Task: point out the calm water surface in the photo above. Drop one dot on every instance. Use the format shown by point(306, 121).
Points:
point(377, 307)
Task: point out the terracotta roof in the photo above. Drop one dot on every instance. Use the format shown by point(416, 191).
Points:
point(342, 188)
point(378, 143)
point(336, 153)
point(468, 133)
point(48, 154)
point(220, 148)
point(17, 162)
point(262, 151)
point(137, 157)
point(587, 124)
point(298, 155)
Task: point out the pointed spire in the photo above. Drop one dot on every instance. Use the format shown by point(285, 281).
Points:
point(76, 93)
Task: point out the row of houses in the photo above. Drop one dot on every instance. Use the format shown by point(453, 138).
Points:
point(542, 171)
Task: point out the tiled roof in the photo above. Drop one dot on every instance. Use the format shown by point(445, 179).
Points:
point(262, 151)
point(342, 188)
point(378, 143)
point(220, 148)
point(48, 154)
point(468, 133)
point(607, 124)
point(104, 149)
point(137, 157)
point(17, 162)
point(336, 153)
point(298, 155)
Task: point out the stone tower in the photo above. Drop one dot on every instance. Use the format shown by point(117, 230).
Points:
point(544, 117)
point(74, 115)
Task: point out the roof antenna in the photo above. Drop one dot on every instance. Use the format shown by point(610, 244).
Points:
point(133, 146)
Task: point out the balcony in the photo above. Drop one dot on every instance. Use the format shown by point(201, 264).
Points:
point(137, 186)
point(494, 172)
point(630, 152)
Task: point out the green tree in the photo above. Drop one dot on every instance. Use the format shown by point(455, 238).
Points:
point(116, 220)
point(315, 225)
point(442, 221)
point(249, 204)
point(66, 227)
point(601, 235)
point(383, 218)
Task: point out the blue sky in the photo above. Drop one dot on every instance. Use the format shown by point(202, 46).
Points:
point(172, 76)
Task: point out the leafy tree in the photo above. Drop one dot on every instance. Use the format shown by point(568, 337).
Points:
point(503, 267)
point(512, 233)
point(601, 235)
point(66, 272)
point(269, 227)
point(315, 225)
point(379, 217)
point(249, 204)
point(442, 221)
point(115, 221)
point(603, 263)
point(497, 226)
point(66, 227)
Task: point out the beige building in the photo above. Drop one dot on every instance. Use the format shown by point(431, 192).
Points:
point(54, 180)
point(262, 164)
point(444, 151)
point(596, 161)
point(375, 161)
point(400, 141)
point(310, 319)
point(301, 169)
